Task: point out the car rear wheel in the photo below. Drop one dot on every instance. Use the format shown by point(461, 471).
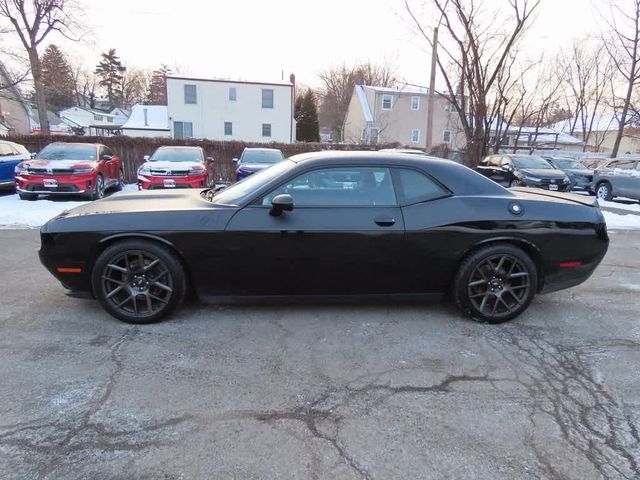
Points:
point(98, 193)
point(120, 184)
point(603, 191)
point(28, 196)
point(495, 283)
point(138, 281)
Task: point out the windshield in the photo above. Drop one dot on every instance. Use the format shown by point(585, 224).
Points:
point(68, 152)
point(570, 164)
point(234, 194)
point(176, 155)
point(531, 162)
point(261, 156)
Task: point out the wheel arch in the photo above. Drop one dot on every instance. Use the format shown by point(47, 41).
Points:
point(106, 242)
point(529, 248)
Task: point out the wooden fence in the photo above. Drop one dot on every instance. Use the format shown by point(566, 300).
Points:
point(133, 149)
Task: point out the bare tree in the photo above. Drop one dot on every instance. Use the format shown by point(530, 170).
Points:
point(135, 83)
point(32, 21)
point(85, 86)
point(338, 84)
point(623, 45)
point(477, 51)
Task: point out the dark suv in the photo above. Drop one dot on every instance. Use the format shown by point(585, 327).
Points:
point(524, 171)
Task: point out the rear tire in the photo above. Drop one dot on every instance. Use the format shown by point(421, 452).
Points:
point(138, 281)
point(28, 196)
point(604, 191)
point(98, 193)
point(495, 283)
point(120, 184)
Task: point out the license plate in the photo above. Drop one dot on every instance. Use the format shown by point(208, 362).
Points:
point(49, 183)
point(169, 183)
point(553, 187)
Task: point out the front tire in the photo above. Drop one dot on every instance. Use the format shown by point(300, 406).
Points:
point(98, 193)
point(138, 281)
point(604, 191)
point(120, 184)
point(495, 284)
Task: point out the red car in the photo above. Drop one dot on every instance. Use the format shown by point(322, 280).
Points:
point(86, 169)
point(176, 167)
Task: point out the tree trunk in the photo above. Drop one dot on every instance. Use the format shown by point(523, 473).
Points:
point(623, 120)
point(41, 102)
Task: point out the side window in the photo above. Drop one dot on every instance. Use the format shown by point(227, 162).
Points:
point(622, 164)
point(340, 187)
point(416, 187)
point(267, 98)
point(190, 94)
point(5, 150)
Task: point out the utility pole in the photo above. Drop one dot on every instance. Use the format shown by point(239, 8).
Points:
point(432, 87)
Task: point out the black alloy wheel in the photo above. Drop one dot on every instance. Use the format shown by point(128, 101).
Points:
point(496, 283)
point(138, 282)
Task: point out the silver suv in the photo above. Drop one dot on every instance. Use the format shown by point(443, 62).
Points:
point(619, 177)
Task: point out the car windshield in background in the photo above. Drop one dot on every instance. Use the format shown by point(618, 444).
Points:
point(68, 152)
point(531, 162)
point(236, 193)
point(262, 156)
point(570, 165)
point(176, 155)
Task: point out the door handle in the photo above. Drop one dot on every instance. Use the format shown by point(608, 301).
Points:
point(385, 221)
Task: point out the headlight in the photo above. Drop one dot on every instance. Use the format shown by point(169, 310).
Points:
point(21, 168)
point(79, 171)
point(196, 170)
point(532, 179)
point(567, 179)
point(144, 170)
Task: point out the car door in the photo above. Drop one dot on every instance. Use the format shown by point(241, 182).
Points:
point(621, 174)
point(343, 236)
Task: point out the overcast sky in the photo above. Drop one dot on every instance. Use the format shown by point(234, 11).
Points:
point(258, 40)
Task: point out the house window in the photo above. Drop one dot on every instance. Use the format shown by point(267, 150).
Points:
point(109, 119)
point(190, 95)
point(415, 135)
point(228, 128)
point(267, 98)
point(446, 136)
point(415, 103)
point(98, 118)
point(266, 129)
point(387, 102)
point(182, 129)
point(232, 94)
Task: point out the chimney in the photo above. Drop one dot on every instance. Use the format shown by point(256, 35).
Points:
point(146, 118)
point(292, 78)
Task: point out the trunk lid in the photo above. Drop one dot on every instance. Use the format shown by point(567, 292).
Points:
point(525, 193)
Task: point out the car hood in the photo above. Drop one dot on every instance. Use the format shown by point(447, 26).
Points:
point(543, 173)
point(63, 164)
point(582, 173)
point(253, 167)
point(167, 165)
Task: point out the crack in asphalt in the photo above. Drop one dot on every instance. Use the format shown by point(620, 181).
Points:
point(562, 386)
point(86, 434)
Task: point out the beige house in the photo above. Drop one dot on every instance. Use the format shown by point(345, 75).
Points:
point(384, 114)
point(14, 115)
point(604, 129)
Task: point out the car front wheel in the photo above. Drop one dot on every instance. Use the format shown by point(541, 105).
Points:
point(138, 281)
point(603, 191)
point(98, 193)
point(495, 283)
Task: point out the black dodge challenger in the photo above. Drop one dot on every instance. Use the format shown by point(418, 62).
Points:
point(330, 224)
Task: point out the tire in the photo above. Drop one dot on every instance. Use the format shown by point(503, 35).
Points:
point(134, 293)
point(120, 184)
point(484, 278)
point(28, 196)
point(99, 191)
point(603, 191)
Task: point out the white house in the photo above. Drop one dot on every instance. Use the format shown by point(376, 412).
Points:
point(91, 121)
point(231, 110)
point(120, 115)
point(148, 121)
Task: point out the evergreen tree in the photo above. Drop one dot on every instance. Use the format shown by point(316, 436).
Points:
point(157, 92)
point(110, 70)
point(57, 78)
point(306, 116)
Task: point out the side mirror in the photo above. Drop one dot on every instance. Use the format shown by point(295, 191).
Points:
point(281, 203)
point(506, 168)
point(209, 160)
point(146, 158)
point(235, 160)
point(106, 158)
point(33, 155)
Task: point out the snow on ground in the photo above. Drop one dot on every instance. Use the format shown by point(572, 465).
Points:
point(632, 207)
point(16, 213)
point(617, 221)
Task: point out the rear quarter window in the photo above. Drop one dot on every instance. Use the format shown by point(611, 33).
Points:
point(417, 187)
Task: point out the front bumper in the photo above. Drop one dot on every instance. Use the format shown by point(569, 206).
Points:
point(147, 182)
point(52, 185)
point(548, 185)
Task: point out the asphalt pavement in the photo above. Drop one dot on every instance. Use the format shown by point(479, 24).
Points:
point(320, 391)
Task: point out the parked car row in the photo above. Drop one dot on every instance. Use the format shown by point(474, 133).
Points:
point(603, 177)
